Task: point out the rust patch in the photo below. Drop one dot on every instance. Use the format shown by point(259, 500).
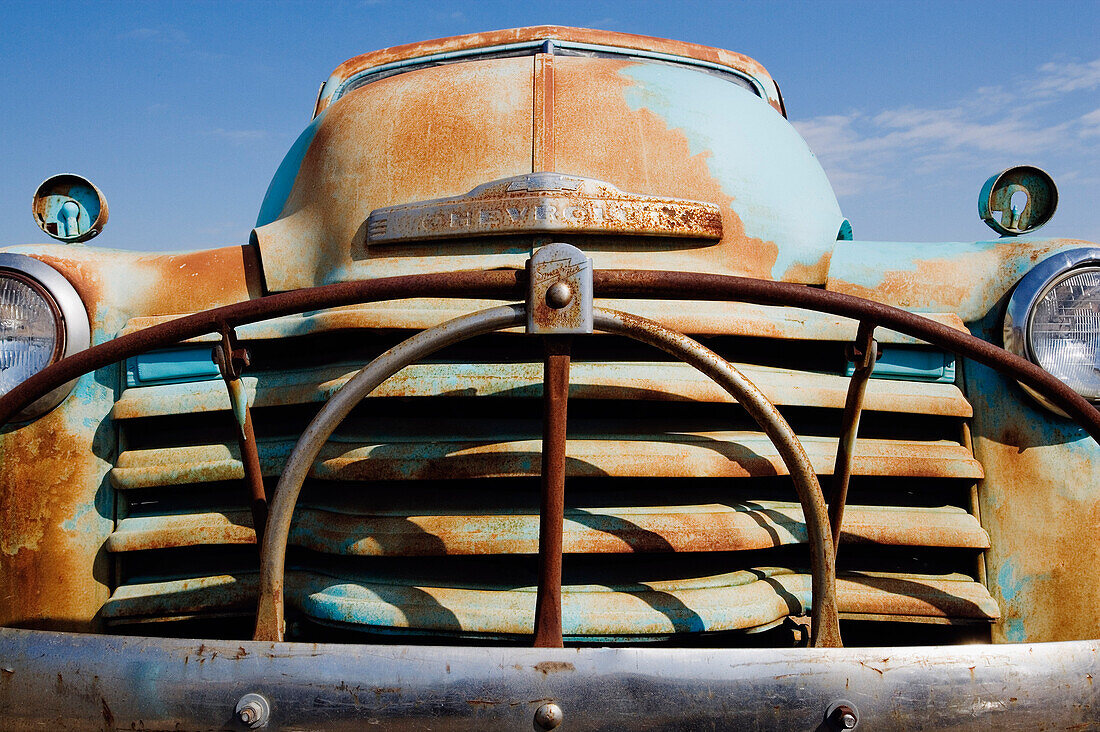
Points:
point(554, 667)
point(814, 273)
point(635, 150)
point(398, 140)
point(187, 283)
point(952, 282)
point(48, 572)
point(164, 284)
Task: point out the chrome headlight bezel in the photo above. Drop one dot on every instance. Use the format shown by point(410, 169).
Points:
point(1032, 288)
point(72, 325)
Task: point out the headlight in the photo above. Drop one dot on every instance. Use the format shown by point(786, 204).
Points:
point(1053, 319)
point(42, 320)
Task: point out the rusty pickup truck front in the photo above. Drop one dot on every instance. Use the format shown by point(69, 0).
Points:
point(551, 388)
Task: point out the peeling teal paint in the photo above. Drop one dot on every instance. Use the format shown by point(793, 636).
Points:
point(1010, 587)
point(1014, 630)
point(994, 268)
point(781, 195)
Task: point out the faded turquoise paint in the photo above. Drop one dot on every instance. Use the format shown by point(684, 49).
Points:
point(993, 268)
point(278, 191)
point(912, 364)
point(636, 610)
point(1014, 628)
point(171, 366)
point(779, 190)
point(1005, 579)
point(87, 203)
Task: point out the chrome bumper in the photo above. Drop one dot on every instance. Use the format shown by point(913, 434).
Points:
point(71, 681)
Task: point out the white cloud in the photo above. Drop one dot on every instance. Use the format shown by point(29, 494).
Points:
point(1090, 124)
point(990, 124)
point(1067, 77)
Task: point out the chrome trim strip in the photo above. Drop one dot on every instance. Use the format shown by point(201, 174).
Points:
point(62, 680)
point(360, 79)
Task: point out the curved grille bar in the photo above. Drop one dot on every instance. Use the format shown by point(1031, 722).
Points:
point(510, 284)
point(269, 614)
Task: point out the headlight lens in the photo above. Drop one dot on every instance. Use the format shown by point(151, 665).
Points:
point(1053, 320)
point(42, 320)
point(29, 330)
point(1064, 331)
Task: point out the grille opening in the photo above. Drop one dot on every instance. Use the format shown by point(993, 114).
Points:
point(356, 347)
point(385, 419)
point(502, 572)
point(503, 495)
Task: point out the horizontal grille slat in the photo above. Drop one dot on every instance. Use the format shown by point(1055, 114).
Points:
point(714, 455)
point(715, 527)
point(737, 600)
point(634, 380)
point(686, 316)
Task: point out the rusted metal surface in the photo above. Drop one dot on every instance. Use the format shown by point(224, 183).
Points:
point(559, 296)
point(740, 600)
point(232, 360)
point(967, 278)
point(269, 615)
point(555, 387)
point(69, 208)
point(499, 284)
point(57, 506)
point(718, 287)
point(142, 533)
point(398, 529)
point(476, 284)
point(863, 354)
point(217, 595)
point(443, 455)
point(534, 33)
point(825, 631)
point(398, 141)
point(665, 130)
point(673, 285)
point(549, 203)
point(1039, 503)
point(733, 601)
point(662, 132)
point(686, 316)
point(655, 381)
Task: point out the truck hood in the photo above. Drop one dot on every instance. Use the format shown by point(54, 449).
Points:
point(642, 125)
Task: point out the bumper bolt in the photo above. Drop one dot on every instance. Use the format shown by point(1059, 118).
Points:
point(842, 715)
point(253, 711)
point(558, 295)
point(249, 713)
point(548, 716)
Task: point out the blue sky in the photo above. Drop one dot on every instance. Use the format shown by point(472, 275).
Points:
point(180, 112)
